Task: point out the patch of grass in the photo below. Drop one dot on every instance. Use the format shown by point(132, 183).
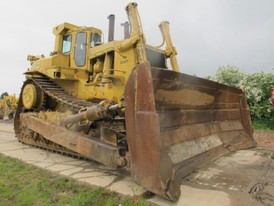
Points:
point(22, 184)
point(263, 124)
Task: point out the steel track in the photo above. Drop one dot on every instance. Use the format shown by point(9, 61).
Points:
point(58, 94)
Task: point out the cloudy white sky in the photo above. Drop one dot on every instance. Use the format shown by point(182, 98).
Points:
point(206, 33)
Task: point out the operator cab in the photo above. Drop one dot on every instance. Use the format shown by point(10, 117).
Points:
point(75, 41)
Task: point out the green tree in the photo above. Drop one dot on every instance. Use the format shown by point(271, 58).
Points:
point(229, 75)
point(257, 87)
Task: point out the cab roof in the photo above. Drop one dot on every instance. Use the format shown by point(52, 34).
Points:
point(65, 27)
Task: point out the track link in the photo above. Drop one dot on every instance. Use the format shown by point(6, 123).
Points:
point(59, 95)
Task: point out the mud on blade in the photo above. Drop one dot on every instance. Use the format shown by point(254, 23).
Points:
point(176, 123)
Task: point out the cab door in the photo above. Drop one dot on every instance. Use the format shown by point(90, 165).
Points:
point(80, 49)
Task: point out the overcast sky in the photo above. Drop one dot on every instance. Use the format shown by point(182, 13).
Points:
point(206, 33)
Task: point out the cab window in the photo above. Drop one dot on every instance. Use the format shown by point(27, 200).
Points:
point(66, 46)
point(95, 40)
point(80, 49)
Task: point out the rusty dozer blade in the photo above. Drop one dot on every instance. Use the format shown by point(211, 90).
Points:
point(176, 123)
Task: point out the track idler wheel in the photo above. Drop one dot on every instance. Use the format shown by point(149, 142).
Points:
point(32, 97)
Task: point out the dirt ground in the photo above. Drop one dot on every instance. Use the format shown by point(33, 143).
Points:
point(247, 176)
point(264, 139)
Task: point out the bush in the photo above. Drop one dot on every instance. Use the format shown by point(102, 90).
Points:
point(257, 87)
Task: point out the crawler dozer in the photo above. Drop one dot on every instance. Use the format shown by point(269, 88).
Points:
point(118, 103)
point(8, 106)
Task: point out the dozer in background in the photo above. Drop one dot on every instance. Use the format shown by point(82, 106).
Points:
point(8, 106)
point(119, 104)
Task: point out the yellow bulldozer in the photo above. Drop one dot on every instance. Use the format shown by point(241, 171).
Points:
point(119, 104)
point(8, 105)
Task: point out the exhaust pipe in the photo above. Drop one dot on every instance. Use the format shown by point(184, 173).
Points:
point(126, 29)
point(111, 19)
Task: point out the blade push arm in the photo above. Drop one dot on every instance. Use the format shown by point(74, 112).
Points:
point(170, 49)
point(137, 36)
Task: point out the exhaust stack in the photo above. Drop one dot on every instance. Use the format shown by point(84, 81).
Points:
point(126, 29)
point(111, 19)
